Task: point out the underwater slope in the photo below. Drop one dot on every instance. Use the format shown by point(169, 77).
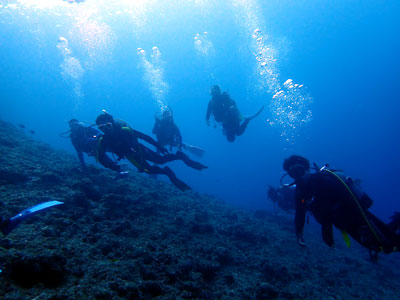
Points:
point(138, 238)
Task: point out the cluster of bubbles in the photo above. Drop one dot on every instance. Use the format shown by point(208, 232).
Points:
point(290, 102)
point(202, 44)
point(154, 74)
point(267, 68)
point(290, 107)
point(71, 68)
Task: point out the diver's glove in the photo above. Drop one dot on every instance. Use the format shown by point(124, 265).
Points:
point(300, 240)
point(122, 174)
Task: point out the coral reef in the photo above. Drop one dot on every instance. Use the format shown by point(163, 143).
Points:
point(139, 238)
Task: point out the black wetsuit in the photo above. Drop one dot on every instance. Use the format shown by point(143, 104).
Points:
point(84, 139)
point(123, 141)
point(331, 203)
point(167, 133)
point(226, 112)
point(219, 107)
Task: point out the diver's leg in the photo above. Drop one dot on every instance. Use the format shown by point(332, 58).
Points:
point(327, 234)
point(179, 155)
point(189, 162)
point(153, 175)
point(158, 158)
point(138, 162)
point(390, 241)
point(246, 121)
point(171, 175)
point(242, 127)
point(374, 234)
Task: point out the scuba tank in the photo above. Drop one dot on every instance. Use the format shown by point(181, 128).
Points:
point(355, 187)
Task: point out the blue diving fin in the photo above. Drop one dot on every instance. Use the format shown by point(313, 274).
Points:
point(13, 222)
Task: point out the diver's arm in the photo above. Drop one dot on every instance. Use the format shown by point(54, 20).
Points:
point(148, 139)
point(105, 160)
point(79, 153)
point(82, 160)
point(300, 217)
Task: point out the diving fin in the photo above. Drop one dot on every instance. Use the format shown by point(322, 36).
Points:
point(194, 150)
point(256, 114)
point(175, 181)
point(13, 222)
point(180, 184)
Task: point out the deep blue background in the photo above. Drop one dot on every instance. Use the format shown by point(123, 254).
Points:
point(345, 53)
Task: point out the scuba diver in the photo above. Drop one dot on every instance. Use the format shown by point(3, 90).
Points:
point(168, 133)
point(283, 197)
point(166, 130)
point(84, 139)
point(335, 199)
point(121, 139)
point(7, 225)
point(225, 111)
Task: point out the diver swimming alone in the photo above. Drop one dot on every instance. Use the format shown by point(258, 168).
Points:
point(225, 111)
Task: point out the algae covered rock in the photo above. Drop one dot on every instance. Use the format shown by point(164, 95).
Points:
point(139, 238)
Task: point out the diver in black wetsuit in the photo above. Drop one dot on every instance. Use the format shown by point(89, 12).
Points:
point(84, 139)
point(168, 133)
point(166, 130)
point(337, 200)
point(122, 140)
point(225, 111)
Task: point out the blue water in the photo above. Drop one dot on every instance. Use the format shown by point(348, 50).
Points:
point(61, 60)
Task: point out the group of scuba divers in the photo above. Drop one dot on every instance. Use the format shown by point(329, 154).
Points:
point(117, 137)
point(120, 139)
point(333, 198)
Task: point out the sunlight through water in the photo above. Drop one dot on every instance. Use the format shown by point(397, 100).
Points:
point(91, 32)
